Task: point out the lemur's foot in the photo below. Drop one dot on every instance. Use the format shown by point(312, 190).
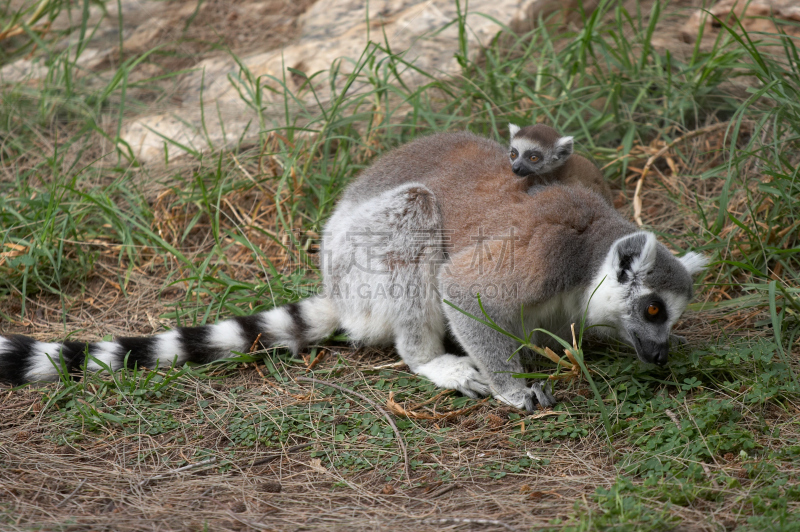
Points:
point(527, 399)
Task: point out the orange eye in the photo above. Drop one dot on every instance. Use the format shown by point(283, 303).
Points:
point(513, 156)
point(653, 310)
point(534, 158)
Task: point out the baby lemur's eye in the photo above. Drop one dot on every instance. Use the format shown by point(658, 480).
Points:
point(653, 310)
point(534, 158)
point(513, 154)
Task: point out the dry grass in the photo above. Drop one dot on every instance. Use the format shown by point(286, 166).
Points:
point(115, 479)
point(182, 460)
point(91, 484)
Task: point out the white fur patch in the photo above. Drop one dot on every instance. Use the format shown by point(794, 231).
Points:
point(279, 323)
point(44, 356)
point(694, 262)
point(676, 304)
point(320, 316)
point(523, 144)
point(108, 353)
point(647, 257)
point(369, 324)
point(513, 129)
point(455, 373)
point(226, 336)
point(169, 349)
point(607, 305)
point(563, 141)
point(281, 327)
point(566, 143)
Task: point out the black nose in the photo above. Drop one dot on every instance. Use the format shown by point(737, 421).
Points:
point(652, 352)
point(661, 354)
point(656, 353)
point(520, 170)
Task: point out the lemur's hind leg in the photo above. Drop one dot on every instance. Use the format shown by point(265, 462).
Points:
point(386, 256)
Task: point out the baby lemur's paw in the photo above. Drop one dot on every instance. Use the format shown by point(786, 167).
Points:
point(527, 399)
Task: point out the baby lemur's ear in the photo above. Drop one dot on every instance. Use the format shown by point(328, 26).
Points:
point(563, 147)
point(513, 129)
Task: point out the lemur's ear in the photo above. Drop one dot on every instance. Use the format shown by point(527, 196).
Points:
point(634, 254)
point(513, 129)
point(694, 263)
point(563, 147)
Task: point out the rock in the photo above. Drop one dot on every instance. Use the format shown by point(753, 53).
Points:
point(103, 27)
point(332, 32)
point(33, 69)
point(557, 13)
point(751, 13)
point(213, 102)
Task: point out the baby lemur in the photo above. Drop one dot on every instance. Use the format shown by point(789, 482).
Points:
point(543, 157)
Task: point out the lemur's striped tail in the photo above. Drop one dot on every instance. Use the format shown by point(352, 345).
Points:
point(24, 359)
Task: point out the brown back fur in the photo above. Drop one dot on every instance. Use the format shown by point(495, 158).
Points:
point(479, 194)
point(577, 171)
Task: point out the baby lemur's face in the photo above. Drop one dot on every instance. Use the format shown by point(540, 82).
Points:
point(537, 149)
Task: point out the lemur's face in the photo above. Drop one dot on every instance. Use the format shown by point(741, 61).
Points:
point(642, 290)
point(537, 150)
point(527, 158)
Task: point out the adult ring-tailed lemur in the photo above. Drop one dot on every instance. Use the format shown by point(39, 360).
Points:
point(440, 218)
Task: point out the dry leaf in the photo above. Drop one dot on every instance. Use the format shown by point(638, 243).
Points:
point(398, 410)
point(545, 413)
point(316, 465)
point(495, 421)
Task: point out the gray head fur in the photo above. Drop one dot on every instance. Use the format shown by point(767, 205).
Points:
point(537, 149)
point(643, 290)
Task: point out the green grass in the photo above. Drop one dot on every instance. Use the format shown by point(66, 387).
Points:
point(712, 433)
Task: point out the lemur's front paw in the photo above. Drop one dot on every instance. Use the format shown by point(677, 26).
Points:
point(527, 399)
point(455, 373)
point(543, 394)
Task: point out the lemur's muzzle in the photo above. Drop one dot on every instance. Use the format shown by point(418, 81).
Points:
point(520, 170)
point(652, 352)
